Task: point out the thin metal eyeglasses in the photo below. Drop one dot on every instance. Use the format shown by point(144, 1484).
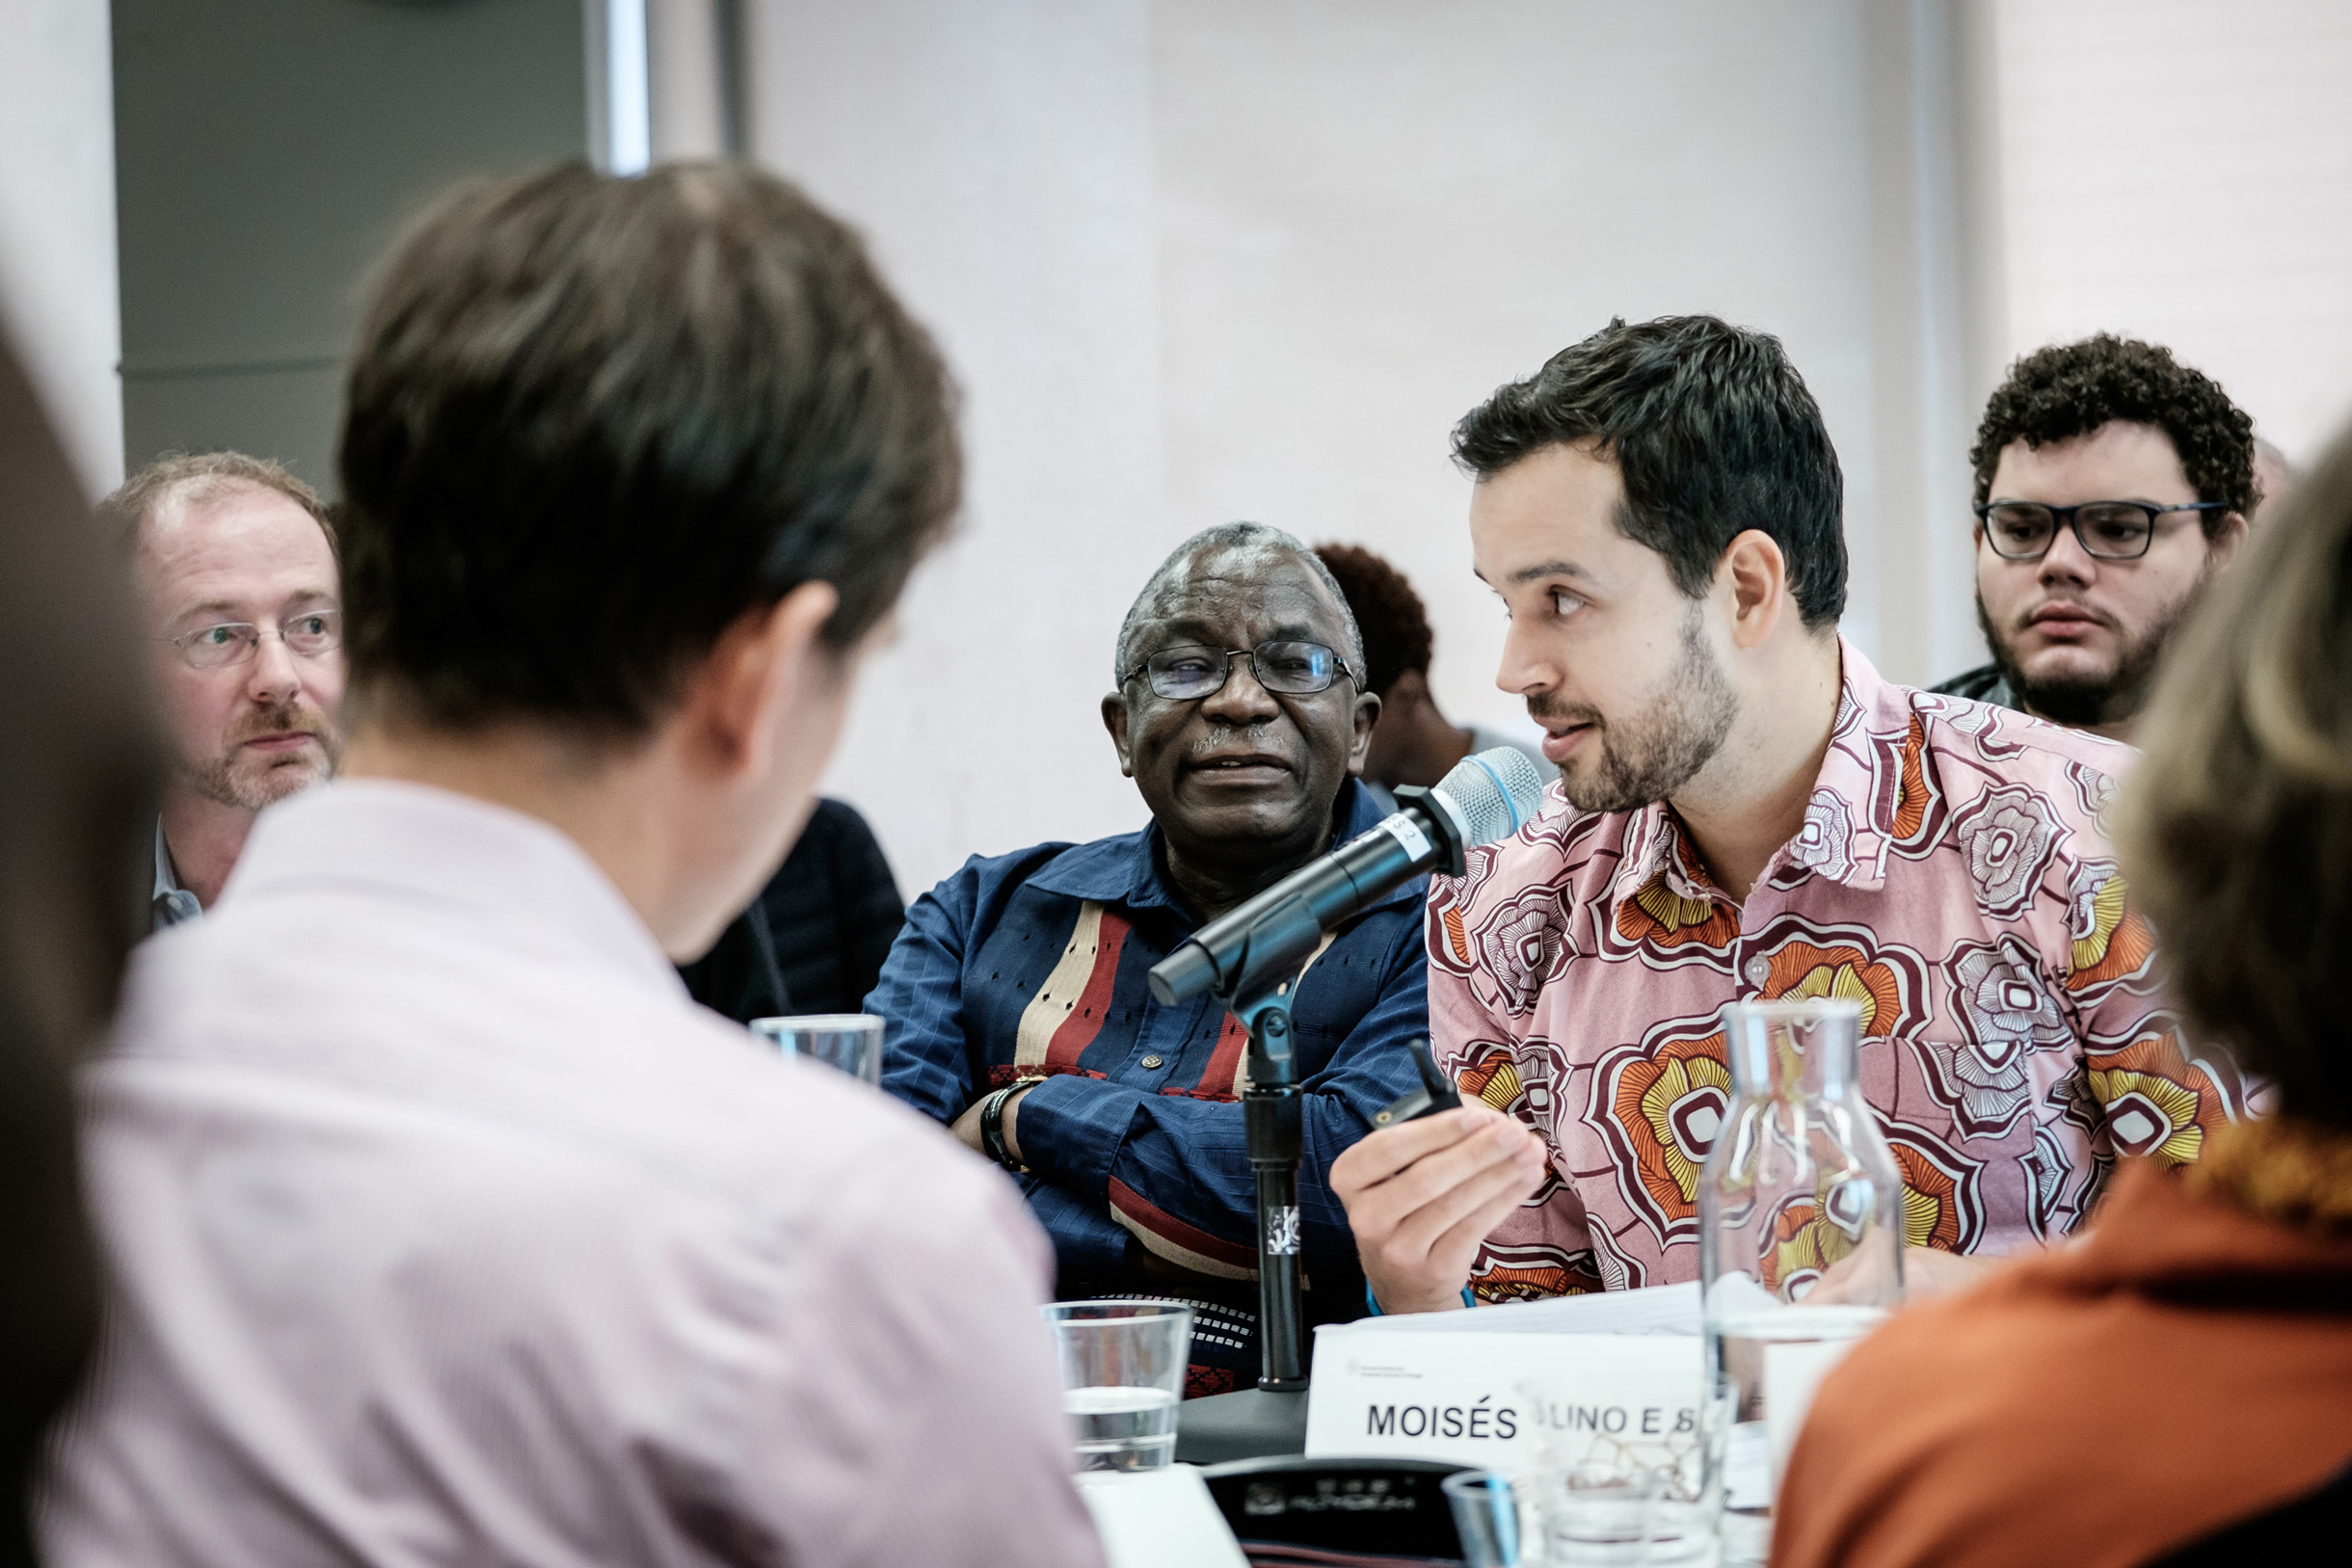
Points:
point(309, 634)
point(1187, 672)
point(2106, 530)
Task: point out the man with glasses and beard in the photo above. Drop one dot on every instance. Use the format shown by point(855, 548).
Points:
point(1747, 811)
point(235, 565)
point(2112, 482)
point(1019, 1011)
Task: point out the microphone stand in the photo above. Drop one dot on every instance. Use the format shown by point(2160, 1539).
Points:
point(1272, 1118)
point(1274, 1122)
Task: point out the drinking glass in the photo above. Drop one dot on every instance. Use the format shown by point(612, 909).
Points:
point(849, 1041)
point(1485, 1516)
point(1122, 1373)
point(1617, 1516)
point(1801, 1242)
point(1607, 1491)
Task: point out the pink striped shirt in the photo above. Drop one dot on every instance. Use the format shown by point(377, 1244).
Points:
point(445, 1229)
point(1953, 876)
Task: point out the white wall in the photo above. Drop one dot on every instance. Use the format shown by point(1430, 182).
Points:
point(1201, 260)
point(2182, 171)
point(1196, 259)
point(57, 221)
point(1372, 212)
point(999, 157)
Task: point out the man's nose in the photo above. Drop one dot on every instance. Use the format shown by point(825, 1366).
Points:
point(1524, 670)
point(1240, 701)
point(274, 674)
point(2066, 561)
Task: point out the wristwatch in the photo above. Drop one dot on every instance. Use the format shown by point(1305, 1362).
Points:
point(991, 1124)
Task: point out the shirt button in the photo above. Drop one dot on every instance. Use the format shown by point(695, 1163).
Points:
point(1759, 970)
point(1151, 1062)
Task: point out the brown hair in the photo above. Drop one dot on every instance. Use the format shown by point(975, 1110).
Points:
point(178, 478)
point(2236, 826)
point(591, 421)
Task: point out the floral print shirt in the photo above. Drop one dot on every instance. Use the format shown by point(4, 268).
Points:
point(1953, 876)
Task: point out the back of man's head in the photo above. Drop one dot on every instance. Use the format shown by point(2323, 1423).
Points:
point(2069, 389)
point(1713, 432)
point(1395, 623)
point(592, 421)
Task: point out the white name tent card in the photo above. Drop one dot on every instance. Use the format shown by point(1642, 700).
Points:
point(1620, 1376)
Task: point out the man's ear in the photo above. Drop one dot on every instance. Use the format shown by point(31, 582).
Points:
point(1114, 720)
point(1754, 573)
point(755, 674)
point(2225, 539)
point(1367, 714)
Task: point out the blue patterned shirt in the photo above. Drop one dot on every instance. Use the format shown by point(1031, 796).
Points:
point(1034, 964)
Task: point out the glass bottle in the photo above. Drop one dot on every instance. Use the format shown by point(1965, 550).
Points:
point(1801, 1242)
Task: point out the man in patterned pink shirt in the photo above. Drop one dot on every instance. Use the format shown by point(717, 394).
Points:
point(1747, 811)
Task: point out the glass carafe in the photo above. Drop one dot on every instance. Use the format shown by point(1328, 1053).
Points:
point(1801, 1242)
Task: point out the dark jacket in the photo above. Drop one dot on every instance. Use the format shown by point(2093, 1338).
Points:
point(1982, 684)
point(814, 938)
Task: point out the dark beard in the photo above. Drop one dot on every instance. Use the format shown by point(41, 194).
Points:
point(2083, 702)
point(1648, 755)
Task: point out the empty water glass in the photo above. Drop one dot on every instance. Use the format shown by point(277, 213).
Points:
point(1122, 1372)
point(1486, 1517)
point(849, 1041)
point(1616, 1516)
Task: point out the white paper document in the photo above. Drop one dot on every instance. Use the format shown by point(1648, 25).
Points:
point(1661, 1309)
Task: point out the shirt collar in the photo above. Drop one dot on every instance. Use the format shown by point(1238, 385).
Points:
point(1124, 869)
point(173, 904)
point(1847, 829)
point(435, 851)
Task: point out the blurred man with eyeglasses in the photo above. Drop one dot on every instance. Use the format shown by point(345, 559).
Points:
point(1018, 1008)
point(2112, 482)
point(235, 565)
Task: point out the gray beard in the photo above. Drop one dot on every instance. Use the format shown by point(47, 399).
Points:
point(2082, 702)
point(219, 779)
point(1645, 758)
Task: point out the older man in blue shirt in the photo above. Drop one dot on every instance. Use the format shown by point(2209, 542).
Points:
point(1018, 1008)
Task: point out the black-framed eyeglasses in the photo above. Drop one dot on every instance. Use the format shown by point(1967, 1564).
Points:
point(1187, 673)
point(2106, 530)
point(310, 634)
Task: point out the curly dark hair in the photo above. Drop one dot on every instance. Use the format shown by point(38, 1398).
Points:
point(1396, 625)
point(2070, 390)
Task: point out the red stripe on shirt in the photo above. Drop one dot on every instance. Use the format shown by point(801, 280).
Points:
point(1216, 1079)
point(1132, 1204)
point(1085, 1021)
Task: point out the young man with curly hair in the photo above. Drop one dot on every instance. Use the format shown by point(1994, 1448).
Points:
point(2112, 482)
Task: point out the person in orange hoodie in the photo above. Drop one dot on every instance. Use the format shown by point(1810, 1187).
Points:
point(2175, 1387)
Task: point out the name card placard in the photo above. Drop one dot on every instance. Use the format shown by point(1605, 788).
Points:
point(1380, 1391)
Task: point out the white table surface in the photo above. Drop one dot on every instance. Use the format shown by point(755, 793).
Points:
point(1159, 1519)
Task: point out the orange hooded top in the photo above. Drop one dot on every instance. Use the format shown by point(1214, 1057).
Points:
point(2187, 1365)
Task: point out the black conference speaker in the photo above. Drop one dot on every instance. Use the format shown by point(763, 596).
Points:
point(1359, 1507)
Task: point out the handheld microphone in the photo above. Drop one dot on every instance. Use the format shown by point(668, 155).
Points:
point(1489, 795)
